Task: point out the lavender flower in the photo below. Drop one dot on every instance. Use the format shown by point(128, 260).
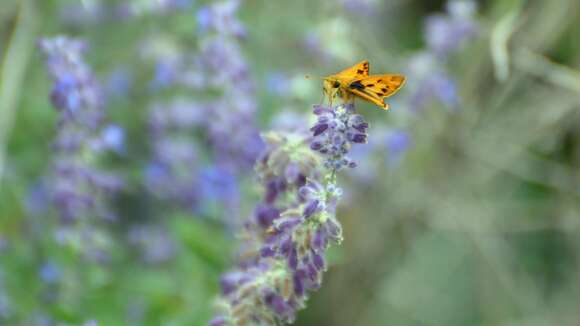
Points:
point(336, 130)
point(444, 34)
point(283, 256)
point(79, 188)
point(75, 91)
point(225, 120)
point(291, 264)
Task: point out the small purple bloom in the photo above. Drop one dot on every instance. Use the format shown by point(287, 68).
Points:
point(267, 252)
point(310, 208)
point(265, 215)
point(50, 273)
point(298, 283)
point(319, 128)
point(319, 239)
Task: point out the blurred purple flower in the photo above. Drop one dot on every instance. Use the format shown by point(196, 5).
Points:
point(119, 83)
point(431, 82)
point(78, 186)
point(180, 115)
point(277, 83)
point(75, 90)
point(220, 16)
point(397, 143)
point(166, 73)
point(113, 138)
point(224, 122)
point(235, 141)
point(446, 33)
point(218, 183)
point(50, 273)
point(154, 244)
point(174, 180)
point(38, 198)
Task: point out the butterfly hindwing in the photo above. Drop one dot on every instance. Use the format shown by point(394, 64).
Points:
point(370, 97)
point(377, 87)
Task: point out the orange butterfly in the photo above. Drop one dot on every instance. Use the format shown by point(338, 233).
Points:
point(355, 81)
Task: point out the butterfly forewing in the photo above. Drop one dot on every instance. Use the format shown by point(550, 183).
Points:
point(360, 70)
point(383, 85)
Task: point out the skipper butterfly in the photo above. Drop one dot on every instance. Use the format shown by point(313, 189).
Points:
point(356, 82)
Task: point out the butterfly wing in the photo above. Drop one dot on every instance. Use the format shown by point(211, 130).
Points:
point(359, 71)
point(369, 97)
point(377, 87)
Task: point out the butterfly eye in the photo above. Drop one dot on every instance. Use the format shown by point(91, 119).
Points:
point(336, 84)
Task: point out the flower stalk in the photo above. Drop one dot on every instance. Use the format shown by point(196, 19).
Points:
point(283, 255)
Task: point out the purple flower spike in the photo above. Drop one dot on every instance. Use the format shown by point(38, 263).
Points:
point(337, 129)
point(80, 189)
point(296, 223)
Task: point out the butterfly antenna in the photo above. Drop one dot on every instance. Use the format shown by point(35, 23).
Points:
point(312, 77)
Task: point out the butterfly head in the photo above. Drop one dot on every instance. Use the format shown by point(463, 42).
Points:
point(331, 87)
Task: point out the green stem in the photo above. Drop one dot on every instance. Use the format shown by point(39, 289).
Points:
point(12, 73)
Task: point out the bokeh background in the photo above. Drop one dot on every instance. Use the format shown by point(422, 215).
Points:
point(464, 208)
